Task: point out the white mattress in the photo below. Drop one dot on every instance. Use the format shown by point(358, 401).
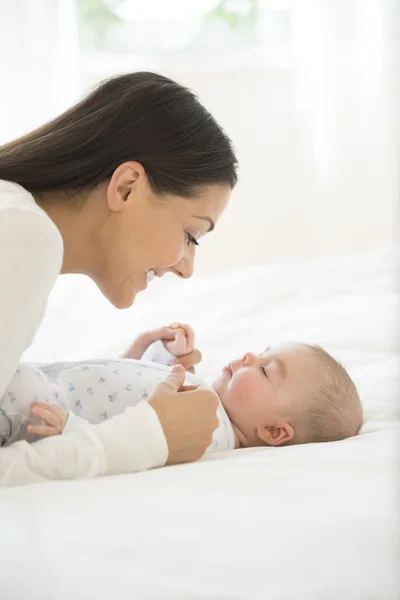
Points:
point(307, 522)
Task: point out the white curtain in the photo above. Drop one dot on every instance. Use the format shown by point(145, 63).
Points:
point(38, 62)
point(346, 67)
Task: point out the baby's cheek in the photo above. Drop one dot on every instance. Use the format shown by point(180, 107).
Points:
point(241, 390)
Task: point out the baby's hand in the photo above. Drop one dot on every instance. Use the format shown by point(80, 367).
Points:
point(182, 346)
point(54, 417)
point(183, 342)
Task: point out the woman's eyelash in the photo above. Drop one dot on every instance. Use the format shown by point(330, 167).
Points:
point(191, 240)
point(264, 372)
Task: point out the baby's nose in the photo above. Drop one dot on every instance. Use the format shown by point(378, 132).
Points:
point(236, 364)
point(249, 359)
point(246, 361)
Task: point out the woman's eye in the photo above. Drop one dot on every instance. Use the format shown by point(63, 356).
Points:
point(264, 371)
point(191, 240)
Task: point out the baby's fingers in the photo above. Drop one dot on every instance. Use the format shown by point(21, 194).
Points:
point(47, 413)
point(43, 430)
point(187, 331)
point(52, 415)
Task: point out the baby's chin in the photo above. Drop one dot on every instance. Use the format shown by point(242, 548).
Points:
point(219, 387)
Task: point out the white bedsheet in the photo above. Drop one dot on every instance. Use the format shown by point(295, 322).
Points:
point(315, 522)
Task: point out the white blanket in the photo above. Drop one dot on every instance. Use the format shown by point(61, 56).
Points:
point(314, 522)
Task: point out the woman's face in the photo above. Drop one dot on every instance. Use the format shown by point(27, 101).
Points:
point(141, 231)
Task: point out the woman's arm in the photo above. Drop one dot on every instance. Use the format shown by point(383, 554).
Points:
point(130, 442)
point(30, 261)
point(175, 426)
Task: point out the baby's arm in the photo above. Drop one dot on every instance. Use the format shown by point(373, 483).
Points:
point(177, 339)
point(165, 352)
point(180, 350)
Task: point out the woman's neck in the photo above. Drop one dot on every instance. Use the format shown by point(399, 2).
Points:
point(72, 219)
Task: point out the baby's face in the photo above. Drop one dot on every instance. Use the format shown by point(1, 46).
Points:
point(256, 390)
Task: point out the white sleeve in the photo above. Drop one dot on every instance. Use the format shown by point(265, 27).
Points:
point(158, 353)
point(30, 261)
point(73, 423)
point(131, 442)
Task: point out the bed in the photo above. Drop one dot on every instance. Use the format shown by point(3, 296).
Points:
point(315, 522)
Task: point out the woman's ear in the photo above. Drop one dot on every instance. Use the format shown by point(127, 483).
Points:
point(125, 179)
point(275, 435)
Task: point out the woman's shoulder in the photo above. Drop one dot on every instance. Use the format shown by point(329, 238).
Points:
point(22, 220)
point(14, 196)
point(14, 199)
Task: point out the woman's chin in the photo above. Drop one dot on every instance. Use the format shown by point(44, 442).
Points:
point(122, 304)
point(120, 295)
point(121, 299)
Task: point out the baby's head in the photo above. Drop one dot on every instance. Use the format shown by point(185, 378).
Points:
point(293, 394)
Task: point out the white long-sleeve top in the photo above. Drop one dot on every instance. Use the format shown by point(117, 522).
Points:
point(31, 253)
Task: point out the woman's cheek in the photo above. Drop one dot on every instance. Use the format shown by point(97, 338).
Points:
point(171, 250)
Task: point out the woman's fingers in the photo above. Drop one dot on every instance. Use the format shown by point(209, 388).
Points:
point(189, 360)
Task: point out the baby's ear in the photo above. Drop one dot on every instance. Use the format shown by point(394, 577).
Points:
point(275, 435)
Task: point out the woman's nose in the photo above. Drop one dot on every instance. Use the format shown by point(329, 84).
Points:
point(184, 268)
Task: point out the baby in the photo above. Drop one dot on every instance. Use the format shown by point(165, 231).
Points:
point(291, 394)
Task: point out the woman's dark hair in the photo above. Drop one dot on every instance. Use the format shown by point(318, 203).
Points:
point(139, 116)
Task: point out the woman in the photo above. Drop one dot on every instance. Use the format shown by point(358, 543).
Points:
point(119, 188)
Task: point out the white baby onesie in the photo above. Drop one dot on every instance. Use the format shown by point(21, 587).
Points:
point(94, 391)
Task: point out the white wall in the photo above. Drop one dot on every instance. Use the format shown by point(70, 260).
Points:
point(38, 63)
point(317, 140)
point(289, 206)
point(302, 193)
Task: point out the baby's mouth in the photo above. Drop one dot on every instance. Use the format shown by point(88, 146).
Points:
point(228, 369)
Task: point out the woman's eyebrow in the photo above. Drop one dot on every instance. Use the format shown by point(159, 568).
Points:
point(209, 220)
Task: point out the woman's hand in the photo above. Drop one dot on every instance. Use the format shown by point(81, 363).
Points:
point(188, 416)
point(54, 417)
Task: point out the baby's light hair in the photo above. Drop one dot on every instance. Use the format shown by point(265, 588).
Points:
point(330, 409)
